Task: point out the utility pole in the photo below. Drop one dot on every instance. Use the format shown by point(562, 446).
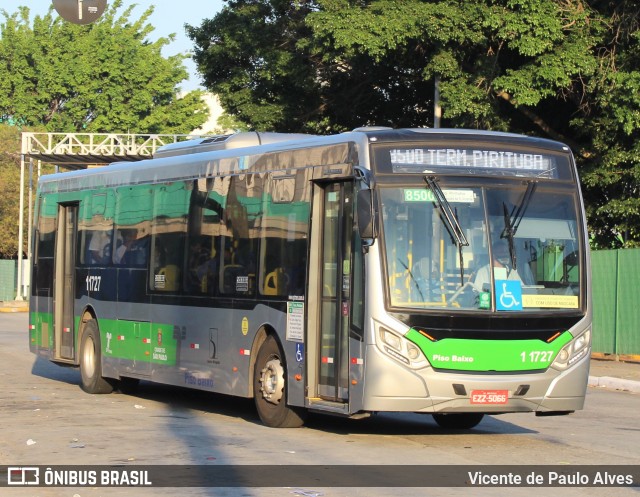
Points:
point(20, 229)
point(437, 110)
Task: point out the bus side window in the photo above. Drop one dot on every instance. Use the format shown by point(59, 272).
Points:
point(240, 226)
point(130, 248)
point(133, 215)
point(203, 260)
point(238, 270)
point(283, 247)
point(168, 235)
point(166, 274)
point(202, 266)
point(98, 249)
point(44, 248)
point(95, 229)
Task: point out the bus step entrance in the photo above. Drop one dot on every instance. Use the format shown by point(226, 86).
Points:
point(328, 406)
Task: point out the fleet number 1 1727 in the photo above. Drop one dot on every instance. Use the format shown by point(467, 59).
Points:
point(537, 356)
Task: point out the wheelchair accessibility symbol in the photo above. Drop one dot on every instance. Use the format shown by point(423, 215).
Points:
point(508, 295)
point(299, 352)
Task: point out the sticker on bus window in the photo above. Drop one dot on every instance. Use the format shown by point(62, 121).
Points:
point(242, 284)
point(551, 301)
point(508, 295)
point(295, 321)
point(458, 195)
point(484, 300)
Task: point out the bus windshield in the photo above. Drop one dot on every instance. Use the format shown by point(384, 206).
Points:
point(518, 248)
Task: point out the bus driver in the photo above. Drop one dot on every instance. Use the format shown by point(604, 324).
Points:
point(503, 269)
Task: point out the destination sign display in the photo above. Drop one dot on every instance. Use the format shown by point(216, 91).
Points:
point(477, 158)
point(424, 158)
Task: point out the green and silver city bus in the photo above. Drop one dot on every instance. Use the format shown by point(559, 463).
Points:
point(418, 270)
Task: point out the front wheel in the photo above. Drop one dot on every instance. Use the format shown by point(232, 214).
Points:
point(91, 380)
point(270, 388)
point(458, 421)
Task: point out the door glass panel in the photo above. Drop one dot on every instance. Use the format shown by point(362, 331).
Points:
point(336, 288)
point(65, 271)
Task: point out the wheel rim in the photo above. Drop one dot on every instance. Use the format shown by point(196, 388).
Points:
point(272, 381)
point(89, 357)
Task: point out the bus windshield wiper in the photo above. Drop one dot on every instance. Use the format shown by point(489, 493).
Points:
point(512, 221)
point(451, 219)
point(413, 278)
point(509, 233)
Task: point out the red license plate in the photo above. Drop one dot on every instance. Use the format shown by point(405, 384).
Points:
point(489, 396)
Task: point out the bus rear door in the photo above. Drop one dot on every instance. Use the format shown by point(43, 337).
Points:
point(64, 285)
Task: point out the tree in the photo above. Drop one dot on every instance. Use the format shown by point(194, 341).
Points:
point(255, 63)
point(610, 123)
point(102, 77)
point(98, 78)
point(9, 190)
point(270, 71)
point(10, 145)
point(559, 69)
point(361, 62)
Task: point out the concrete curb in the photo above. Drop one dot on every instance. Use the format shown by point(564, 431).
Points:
point(614, 383)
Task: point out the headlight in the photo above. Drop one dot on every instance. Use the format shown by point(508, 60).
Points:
point(391, 339)
point(402, 350)
point(574, 351)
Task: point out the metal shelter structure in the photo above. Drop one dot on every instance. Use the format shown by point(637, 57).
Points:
point(72, 151)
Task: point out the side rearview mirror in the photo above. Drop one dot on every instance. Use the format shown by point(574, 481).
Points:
point(366, 216)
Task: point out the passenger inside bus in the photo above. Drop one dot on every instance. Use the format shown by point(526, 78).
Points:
point(203, 268)
point(502, 268)
point(124, 245)
point(99, 247)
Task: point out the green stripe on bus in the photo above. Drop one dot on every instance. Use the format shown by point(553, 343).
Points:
point(138, 341)
point(121, 339)
point(489, 355)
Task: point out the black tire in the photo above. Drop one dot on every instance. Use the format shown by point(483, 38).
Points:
point(458, 421)
point(91, 380)
point(270, 388)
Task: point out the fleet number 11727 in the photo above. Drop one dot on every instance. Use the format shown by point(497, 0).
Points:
point(537, 356)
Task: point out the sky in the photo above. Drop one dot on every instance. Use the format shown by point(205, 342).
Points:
point(169, 16)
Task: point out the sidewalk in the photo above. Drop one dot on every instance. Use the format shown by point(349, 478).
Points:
point(605, 371)
point(618, 375)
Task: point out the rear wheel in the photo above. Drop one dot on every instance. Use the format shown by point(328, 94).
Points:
point(91, 380)
point(458, 421)
point(270, 388)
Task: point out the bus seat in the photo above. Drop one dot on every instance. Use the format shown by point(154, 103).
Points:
point(275, 282)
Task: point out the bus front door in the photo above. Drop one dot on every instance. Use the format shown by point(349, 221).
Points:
point(64, 286)
point(335, 291)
